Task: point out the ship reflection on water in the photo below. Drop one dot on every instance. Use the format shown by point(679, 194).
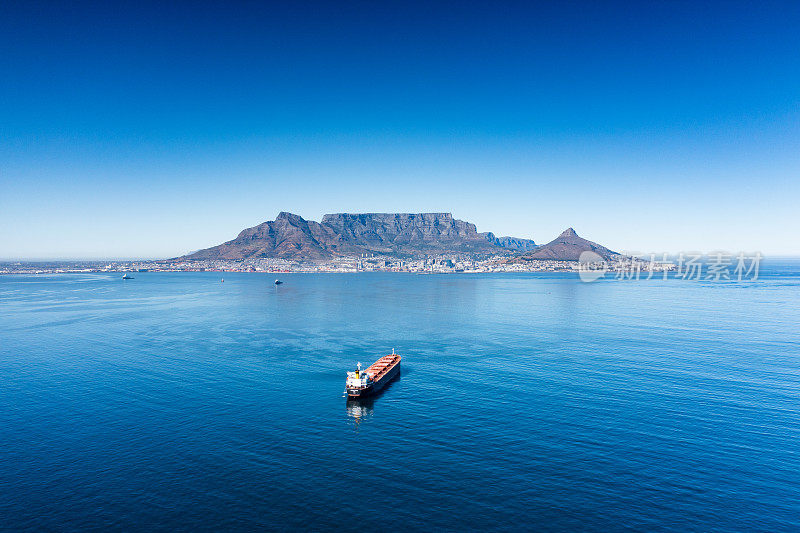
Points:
point(360, 409)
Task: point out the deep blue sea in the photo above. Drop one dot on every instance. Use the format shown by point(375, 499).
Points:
point(175, 401)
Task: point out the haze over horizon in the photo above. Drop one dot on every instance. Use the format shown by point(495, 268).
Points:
point(153, 130)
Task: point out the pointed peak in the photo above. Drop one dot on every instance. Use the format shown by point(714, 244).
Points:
point(569, 232)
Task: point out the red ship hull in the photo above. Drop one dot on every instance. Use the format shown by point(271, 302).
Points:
point(382, 372)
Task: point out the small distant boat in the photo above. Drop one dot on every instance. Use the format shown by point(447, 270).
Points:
point(364, 383)
point(278, 282)
point(125, 276)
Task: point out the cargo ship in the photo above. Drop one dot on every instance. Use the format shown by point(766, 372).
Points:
point(361, 383)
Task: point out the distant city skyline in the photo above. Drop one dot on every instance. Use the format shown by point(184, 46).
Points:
point(155, 130)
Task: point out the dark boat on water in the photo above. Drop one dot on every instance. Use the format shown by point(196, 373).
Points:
point(125, 276)
point(278, 282)
point(364, 383)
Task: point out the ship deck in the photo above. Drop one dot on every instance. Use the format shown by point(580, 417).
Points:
point(382, 366)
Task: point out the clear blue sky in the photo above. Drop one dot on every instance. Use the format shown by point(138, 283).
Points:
point(150, 130)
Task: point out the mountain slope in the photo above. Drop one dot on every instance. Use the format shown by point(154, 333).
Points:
point(511, 243)
point(289, 236)
point(566, 247)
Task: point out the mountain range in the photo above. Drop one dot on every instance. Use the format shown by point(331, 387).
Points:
point(292, 237)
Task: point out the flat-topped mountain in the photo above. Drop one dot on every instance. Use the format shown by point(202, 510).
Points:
point(290, 236)
point(566, 247)
point(408, 233)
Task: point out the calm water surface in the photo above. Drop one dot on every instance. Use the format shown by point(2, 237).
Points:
point(531, 401)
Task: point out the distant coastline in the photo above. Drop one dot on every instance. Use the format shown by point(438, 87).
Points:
point(434, 265)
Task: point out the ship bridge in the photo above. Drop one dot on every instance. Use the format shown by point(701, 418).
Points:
point(358, 379)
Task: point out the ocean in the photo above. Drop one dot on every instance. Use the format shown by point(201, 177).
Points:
point(176, 401)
